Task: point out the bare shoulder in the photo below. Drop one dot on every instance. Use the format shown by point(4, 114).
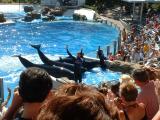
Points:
point(121, 115)
point(142, 105)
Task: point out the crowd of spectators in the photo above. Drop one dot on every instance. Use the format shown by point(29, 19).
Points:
point(34, 99)
point(141, 45)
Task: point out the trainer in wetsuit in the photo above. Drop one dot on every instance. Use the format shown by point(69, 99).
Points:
point(77, 68)
point(101, 56)
point(78, 63)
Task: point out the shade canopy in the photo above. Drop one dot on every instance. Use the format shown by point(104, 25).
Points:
point(149, 1)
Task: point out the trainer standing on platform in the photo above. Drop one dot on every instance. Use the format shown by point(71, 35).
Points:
point(78, 63)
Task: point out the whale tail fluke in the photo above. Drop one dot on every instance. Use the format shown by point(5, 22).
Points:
point(35, 46)
point(17, 55)
point(60, 59)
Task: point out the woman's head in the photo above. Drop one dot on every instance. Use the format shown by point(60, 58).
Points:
point(125, 78)
point(128, 91)
point(86, 106)
point(140, 75)
point(73, 89)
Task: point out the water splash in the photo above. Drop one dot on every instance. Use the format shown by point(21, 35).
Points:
point(11, 8)
point(87, 12)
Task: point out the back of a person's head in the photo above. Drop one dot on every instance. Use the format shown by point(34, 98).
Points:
point(128, 91)
point(73, 89)
point(140, 74)
point(115, 88)
point(151, 72)
point(103, 87)
point(125, 78)
point(87, 106)
point(34, 85)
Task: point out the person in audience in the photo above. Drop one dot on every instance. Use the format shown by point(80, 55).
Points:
point(111, 57)
point(157, 84)
point(103, 87)
point(125, 79)
point(119, 56)
point(147, 93)
point(113, 92)
point(124, 35)
point(130, 109)
point(73, 89)
point(85, 106)
point(35, 85)
point(157, 116)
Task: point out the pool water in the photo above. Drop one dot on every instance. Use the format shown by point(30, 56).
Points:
point(53, 36)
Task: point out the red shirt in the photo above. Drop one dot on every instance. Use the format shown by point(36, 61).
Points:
point(149, 98)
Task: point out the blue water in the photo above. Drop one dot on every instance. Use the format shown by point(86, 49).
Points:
point(15, 39)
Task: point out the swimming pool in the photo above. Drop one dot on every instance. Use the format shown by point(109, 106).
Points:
point(53, 36)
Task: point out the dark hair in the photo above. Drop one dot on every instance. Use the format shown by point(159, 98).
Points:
point(87, 106)
point(140, 74)
point(115, 88)
point(103, 87)
point(34, 85)
point(128, 91)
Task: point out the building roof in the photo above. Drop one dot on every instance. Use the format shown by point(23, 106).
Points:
point(150, 1)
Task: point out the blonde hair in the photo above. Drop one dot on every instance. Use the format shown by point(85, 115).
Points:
point(129, 91)
point(125, 78)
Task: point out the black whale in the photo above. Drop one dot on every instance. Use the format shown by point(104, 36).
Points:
point(49, 62)
point(54, 71)
point(68, 61)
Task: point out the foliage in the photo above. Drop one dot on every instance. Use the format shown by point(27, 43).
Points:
point(90, 2)
point(21, 1)
point(6, 1)
point(156, 6)
point(93, 7)
point(101, 5)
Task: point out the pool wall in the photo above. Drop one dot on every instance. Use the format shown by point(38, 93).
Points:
point(116, 45)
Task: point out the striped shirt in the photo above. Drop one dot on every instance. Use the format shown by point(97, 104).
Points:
point(149, 98)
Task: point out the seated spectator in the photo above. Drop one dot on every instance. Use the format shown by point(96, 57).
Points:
point(111, 57)
point(130, 110)
point(86, 106)
point(119, 56)
point(34, 86)
point(147, 94)
point(124, 35)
